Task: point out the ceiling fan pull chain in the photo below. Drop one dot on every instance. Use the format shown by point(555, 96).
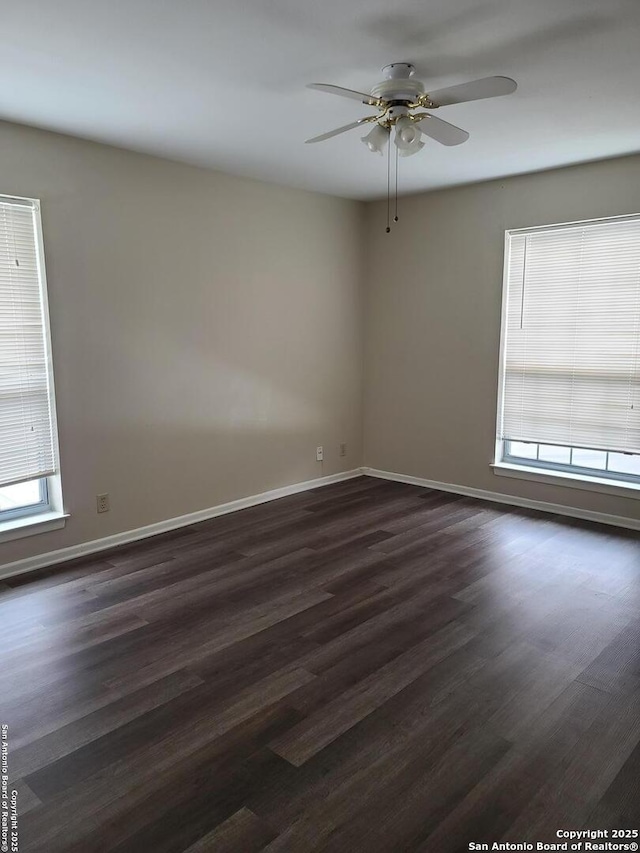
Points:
point(395, 218)
point(389, 189)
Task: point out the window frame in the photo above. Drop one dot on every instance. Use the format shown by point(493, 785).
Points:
point(570, 468)
point(49, 513)
point(513, 466)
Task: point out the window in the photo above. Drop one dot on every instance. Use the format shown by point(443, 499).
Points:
point(569, 396)
point(28, 441)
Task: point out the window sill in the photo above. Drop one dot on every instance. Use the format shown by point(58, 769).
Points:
point(564, 478)
point(30, 525)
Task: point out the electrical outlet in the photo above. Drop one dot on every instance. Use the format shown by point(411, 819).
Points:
point(343, 449)
point(102, 502)
point(319, 453)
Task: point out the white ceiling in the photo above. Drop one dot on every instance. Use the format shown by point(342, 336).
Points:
point(222, 84)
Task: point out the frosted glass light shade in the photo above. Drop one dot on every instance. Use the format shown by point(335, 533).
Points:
point(376, 139)
point(411, 149)
point(407, 133)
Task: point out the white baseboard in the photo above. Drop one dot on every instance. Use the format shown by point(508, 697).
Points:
point(62, 555)
point(512, 500)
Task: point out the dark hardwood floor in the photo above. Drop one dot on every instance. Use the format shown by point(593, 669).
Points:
point(368, 666)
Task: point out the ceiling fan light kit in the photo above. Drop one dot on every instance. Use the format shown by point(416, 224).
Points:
point(397, 97)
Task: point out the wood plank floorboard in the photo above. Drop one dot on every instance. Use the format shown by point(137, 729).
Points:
point(368, 666)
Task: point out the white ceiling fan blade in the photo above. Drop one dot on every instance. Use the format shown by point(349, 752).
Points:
point(442, 131)
point(338, 130)
point(345, 93)
point(475, 90)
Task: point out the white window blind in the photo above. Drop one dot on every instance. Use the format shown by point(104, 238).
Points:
point(26, 428)
point(571, 360)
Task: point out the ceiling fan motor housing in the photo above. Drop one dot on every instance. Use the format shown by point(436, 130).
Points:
point(399, 84)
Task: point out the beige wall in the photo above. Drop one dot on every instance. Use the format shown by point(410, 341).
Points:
point(433, 322)
point(206, 331)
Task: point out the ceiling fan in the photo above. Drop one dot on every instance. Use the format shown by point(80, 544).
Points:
point(399, 96)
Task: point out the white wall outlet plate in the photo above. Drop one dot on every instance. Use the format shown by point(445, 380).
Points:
point(319, 453)
point(102, 503)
